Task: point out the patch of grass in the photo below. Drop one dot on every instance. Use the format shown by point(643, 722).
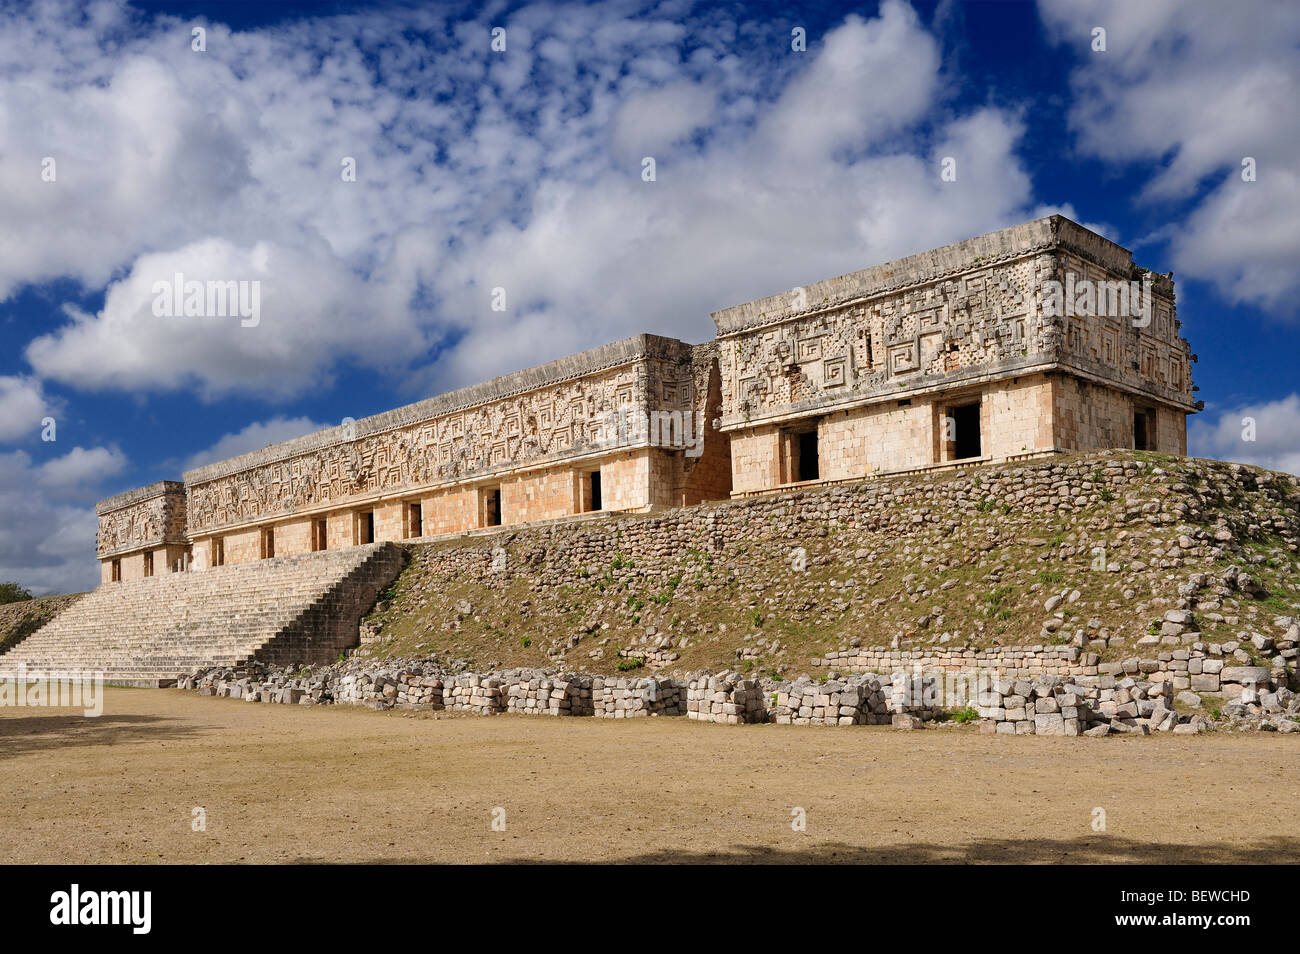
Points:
point(965, 714)
point(993, 603)
point(628, 663)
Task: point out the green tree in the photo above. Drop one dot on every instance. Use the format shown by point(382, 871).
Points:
point(13, 593)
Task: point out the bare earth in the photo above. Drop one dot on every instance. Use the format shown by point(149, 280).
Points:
point(341, 784)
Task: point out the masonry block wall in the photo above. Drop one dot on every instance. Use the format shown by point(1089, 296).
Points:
point(879, 360)
point(517, 449)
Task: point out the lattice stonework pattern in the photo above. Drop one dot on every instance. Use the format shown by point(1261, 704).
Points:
point(566, 419)
point(1152, 357)
point(974, 319)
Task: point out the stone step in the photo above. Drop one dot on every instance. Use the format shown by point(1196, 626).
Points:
point(285, 608)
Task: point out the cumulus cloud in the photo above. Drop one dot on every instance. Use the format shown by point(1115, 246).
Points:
point(23, 405)
point(81, 468)
point(307, 311)
point(254, 437)
point(49, 521)
point(1265, 434)
point(474, 171)
point(1192, 89)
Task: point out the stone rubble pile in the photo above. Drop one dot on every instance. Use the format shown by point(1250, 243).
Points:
point(1100, 705)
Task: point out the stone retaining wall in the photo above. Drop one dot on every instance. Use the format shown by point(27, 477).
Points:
point(725, 698)
point(1043, 705)
point(858, 700)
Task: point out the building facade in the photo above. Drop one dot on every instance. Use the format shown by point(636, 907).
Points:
point(1036, 339)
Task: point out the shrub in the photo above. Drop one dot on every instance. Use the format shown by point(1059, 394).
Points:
point(13, 593)
point(965, 714)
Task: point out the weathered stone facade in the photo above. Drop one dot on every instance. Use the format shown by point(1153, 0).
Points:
point(979, 351)
point(962, 353)
point(142, 532)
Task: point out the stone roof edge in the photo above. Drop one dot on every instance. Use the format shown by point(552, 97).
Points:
point(147, 492)
point(594, 360)
point(1017, 241)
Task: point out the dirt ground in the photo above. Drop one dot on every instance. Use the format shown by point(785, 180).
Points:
point(342, 784)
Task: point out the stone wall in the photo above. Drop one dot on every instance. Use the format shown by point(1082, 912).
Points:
point(857, 700)
point(630, 698)
point(558, 555)
point(1045, 705)
point(877, 358)
point(147, 518)
point(937, 319)
point(727, 698)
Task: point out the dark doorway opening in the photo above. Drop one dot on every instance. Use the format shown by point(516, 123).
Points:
point(595, 490)
point(1141, 439)
point(808, 465)
point(966, 431)
point(366, 527)
point(318, 535)
point(268, 543)
point(416, 521)
point(492, 507)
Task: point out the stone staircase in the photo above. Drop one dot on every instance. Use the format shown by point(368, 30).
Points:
point(283, 611)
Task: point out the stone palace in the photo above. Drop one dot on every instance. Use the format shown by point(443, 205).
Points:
point(1033, 340)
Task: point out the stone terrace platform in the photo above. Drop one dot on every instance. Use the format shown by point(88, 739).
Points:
point(289, 610)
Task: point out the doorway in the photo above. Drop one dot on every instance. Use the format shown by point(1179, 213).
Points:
point(491, 506)
point(591, 491)
point(1142, 436)
point(966, 431)
point(801, 452)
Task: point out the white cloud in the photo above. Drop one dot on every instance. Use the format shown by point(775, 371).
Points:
point(49, 522)
point(81, 468)
point(1265, 434)
point(254, 437)
point(661, 117)
point(474, 170)
point(1192, 88)
point(23, 405)
point(311, 310)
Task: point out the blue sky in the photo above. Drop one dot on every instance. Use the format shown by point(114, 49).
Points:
point(521, 169)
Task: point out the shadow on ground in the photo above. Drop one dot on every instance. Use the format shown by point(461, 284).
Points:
point(43, 733)
point(1100, 849)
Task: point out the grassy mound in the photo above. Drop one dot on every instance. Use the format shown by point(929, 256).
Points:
point(971, 558)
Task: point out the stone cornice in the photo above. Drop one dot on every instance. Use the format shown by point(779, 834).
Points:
point(1020, 241)
point(606, 357)
point(138, 495)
